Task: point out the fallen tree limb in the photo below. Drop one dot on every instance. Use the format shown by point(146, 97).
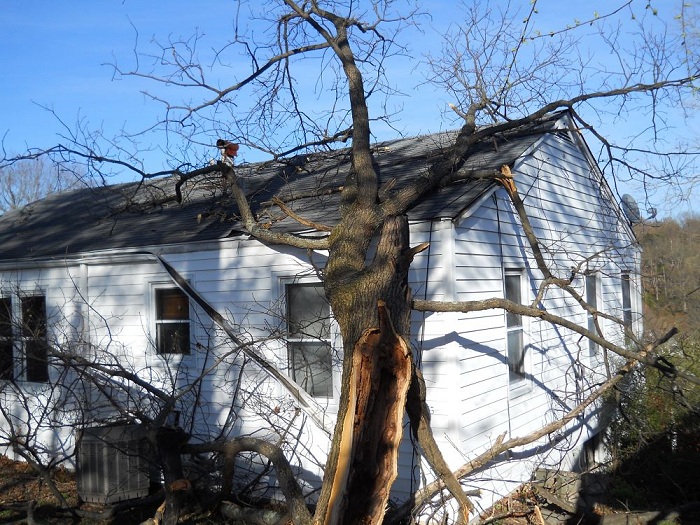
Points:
point(494, 303)
point(250, 515)
point(553, 499)
point(306, 402)
point(500, 446)
point(298, 512)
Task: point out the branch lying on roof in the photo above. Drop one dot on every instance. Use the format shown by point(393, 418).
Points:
point(259, 231)
point(288, 211)
point(320, 192)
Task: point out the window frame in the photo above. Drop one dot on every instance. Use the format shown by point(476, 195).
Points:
point(156, 322)
point(8, 352)
point(23, 339)
point(626, 300)
point(595, 302)
point(516, 324)
point(294, 342)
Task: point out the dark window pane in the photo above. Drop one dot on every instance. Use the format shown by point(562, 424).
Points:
point(34, 316)
point(172, 304)
point(513, 293)
point(626, 300)
point(33, 330)
point(513, 320)
point(309, 326)
point(592, 346)
point(308, 312)
point(513, 287)
point(173, 338)
point(311, 367)
point(37, 361)
point(592, 300)
point(6, 360)
point(5, 317)
point(516, 353)
point(591, 291)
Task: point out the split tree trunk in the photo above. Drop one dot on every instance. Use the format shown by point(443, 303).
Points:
point(372, 307)
point(382, 374)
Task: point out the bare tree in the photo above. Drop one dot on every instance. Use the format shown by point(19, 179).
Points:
point(500, 72)
point(29, 180)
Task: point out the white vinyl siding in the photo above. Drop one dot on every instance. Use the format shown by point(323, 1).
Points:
point(573, 219)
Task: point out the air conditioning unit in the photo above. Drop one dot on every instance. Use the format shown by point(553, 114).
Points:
point(112, 465)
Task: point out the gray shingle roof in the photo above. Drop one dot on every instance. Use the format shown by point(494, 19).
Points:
point(146, 214)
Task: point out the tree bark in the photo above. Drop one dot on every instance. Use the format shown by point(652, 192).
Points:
point(169, 442)
point(377, 373)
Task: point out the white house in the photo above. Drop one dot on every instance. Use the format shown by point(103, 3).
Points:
point(87, 272)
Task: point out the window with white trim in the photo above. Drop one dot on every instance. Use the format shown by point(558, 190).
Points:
point(626, 300)
point(172, 320)
point(592, 301)
point(309, 338)
point(515, 340)
point(24, 348)
point(33, 338)
point(7, 352)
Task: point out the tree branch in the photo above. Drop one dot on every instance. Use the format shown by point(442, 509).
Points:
point(539, 313)
point(293, 494)
point(501, 445)
point(289, 212)
point(261, 233)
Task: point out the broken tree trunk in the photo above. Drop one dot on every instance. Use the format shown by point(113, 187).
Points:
point(169, 442)
point(381, 376)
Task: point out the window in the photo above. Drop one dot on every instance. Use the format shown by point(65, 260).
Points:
point(24, 349)
point(592, 300)
point(309, 338)
point(626, 301)
point(7, 359)
point(33, 335)
point(514, 326)
point(172, 321)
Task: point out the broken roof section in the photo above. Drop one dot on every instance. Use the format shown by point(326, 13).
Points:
point(146, 213)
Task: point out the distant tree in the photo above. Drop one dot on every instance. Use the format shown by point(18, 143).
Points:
point(671, 273)
point(656, 432)
point(29, 180)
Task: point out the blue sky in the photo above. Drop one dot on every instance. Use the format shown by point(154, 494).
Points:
point(57, 55)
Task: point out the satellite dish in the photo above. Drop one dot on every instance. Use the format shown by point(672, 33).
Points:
point(631, 209)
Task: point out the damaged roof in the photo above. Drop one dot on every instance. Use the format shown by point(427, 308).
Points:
point(146, 213)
